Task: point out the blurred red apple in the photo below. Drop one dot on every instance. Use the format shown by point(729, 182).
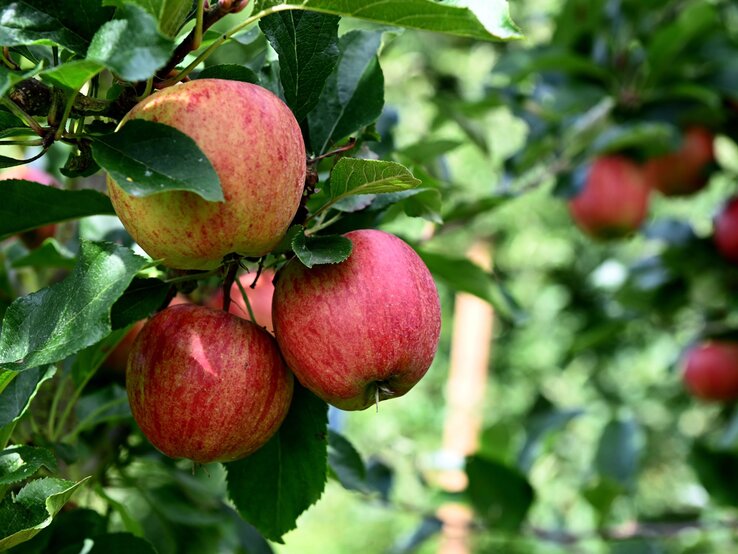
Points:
point(361, 330)
point(260, 298)
point(614, 200)
point(725, 234)
point(206, 385)
point(711, 371)
point(683, 172)
point(34, 237)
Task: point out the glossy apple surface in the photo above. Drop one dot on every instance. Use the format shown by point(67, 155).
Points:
point(365, 328)
point(614, 200)
point(711, 371)
point(206, 385)
point(260, 298)
point(34, 237)
point(685, 171)
point(255, 145)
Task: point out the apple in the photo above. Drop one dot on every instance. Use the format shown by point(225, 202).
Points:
point(33, 238)
point(260, 298)
point(725, 234)
point(206, 385)
point(255, 145)
point(711, 371)
point(614, 200)
point(683, 172)
point(363, 330)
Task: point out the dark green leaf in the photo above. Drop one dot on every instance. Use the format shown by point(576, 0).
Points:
point(479, 19)
point(72, 75)
point(49, 254)
point(69, 23)
point(464, 211)
point(131, 44)
point(141, 299)
point(380, 478)
point(170, 14)
point(21, 462)
point(429, 526)
point(49, 325)
point(147, 158)
point(346, 463)
point(328, 249)
point(619, 451)
point(114, 543)
point(717, 470)
point(648, 139)
point(32, 509)
point(27, 205)
point(499, 494)
point(230, 72)
point(273, 486)
point(307, 44)
point(9, 78)
point(538, 427)
point(17, 390)
point(355, 176)
point(427, 150)
point(108, 404)
point(353, 95)
point(602, 495)
point(89, 360)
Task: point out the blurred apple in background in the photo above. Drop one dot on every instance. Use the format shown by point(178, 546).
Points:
point(684, 171)
point(711, 371)
point(260, 298)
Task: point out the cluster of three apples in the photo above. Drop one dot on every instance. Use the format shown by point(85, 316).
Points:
point(206, 385)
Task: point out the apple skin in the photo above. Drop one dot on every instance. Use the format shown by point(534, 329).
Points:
point(614, 200)
point(725, 234)
point(260, 298)
point(206, 385)
point(683, 172)
point(711, 371)
point(368, 324)
point(34, 237)
point(255, 145)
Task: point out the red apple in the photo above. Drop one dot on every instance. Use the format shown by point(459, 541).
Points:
point(255, 145)
point(725, 234)
point(206, 385)
point(614, 200)
point(711, 371)
point(33, 238)
point(683, 172)
point(360, 330)
point(260, 298)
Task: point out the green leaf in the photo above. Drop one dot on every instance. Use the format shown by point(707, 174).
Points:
point(49, 254)
point(428, 150)
point(89, 360)
point(145, 158)
point(353, 95)
point(33, 508)
point(114, 543)
point(59, 320)
point(72, 75)
point(646, 138)
point(345, 463)
point(717, 470)
point(273, 486)
point(142, 298)
point(230, 72)
point(129, 522)
point(68, 23)
point(103, 405)
point(131, 44)
point(619, 451)
point(9, 78)
point(27, 205)
point(307, 44)
point(539, 426)
point(499, 494)
point(170, 14)
point(18, 463)
point(478, 19)
point(355, 176)
point(327, 249)
point(17, 390)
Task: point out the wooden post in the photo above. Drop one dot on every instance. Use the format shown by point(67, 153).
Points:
point(471, 343)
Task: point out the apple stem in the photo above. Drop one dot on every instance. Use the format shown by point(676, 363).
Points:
point(246, 300)
point(376, 397)
point(230, 277)
point(259, 269)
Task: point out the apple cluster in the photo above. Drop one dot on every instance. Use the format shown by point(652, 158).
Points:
point(211, 385)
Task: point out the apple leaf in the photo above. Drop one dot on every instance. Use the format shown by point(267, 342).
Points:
point(345, 463)
point(116, 543)
point(327, 249)
point(21, 462)
point(33, 508)
point(131, 45)
point(170, 14)
point(27, 205)
point(353, 96)
point(107, 404)
point(10, 78)
point(17, 390)
point(49, 254)
point(619, 452)
point(57, 321)
point(146, 158)
point(307, 44)
point(72, 75)
point(478, 19)
point(355, 176)
point(278, 482)
point(141, 299)
point(230, 72)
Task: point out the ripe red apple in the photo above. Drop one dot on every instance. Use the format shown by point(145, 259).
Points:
point(255, 145)
point(614, 200)
point(260, 298)
point(683, 172)
point(725, 234)
point(33, 238)
point(711, 371)
point(206, 385)
point(361, 329)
